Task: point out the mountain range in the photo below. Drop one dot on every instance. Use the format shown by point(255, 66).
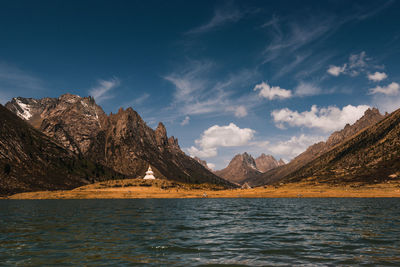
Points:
point(120, 142)
point(69, 141)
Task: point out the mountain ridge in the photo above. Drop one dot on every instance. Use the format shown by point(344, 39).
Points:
point(120, 141)
point(370, 117)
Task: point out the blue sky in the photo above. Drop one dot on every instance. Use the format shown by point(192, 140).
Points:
point(225, 77)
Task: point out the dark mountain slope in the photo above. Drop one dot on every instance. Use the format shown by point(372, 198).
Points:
point(31, 161)
point(371, 117)
point(373, 155)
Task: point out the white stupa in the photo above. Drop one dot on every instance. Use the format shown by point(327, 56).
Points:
point(149, 175)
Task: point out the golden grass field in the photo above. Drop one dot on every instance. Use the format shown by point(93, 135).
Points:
point(138, 188)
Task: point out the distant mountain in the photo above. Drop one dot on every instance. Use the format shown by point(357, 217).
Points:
point(241, 167)
point(267, 162)
point(31, 161)
point(370, 117)
point(120, 141)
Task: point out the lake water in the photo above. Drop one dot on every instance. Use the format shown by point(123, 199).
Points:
point(187, 232)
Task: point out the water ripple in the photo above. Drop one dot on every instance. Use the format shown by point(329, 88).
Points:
point(204, 232)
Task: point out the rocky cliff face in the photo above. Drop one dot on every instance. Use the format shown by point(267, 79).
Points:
point(370, 117)
point(31, 161)
point(71, 120)
point(267, 162)
point(241, 167)
point(120, 141)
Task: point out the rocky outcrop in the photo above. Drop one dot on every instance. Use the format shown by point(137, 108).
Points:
point(370, 117)
point(241, 167)
point(31, 161)
point(120, 141)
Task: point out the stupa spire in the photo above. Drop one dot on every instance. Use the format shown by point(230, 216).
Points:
point(149, 174)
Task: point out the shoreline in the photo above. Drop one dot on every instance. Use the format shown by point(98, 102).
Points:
point(162, 189)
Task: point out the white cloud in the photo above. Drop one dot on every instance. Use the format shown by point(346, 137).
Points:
point(203, 153)
point(307, 89)
point(100, 92)
point(326, 119)
point(185, 121)
point(391, 89)
point(294, 146)
point(336, 71)
point(377, 76)
point(220, 136)
point(273, 92)
point(211, 165)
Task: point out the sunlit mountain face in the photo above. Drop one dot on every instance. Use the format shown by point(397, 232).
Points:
point(225, 77)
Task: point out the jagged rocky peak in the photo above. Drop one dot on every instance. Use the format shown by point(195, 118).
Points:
point(241, 167)
point(243, 159)
point(161, 135)
point(173, 143)
point(267, 162)
point(370, 117)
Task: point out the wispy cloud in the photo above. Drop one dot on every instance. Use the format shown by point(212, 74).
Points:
point(14, 80)
point(294, 39)
point(198, 91)
point(296, 35)
point(222, 16)
point(136, 101)
point(185, 121)
point(102, 90)
point(307, 89)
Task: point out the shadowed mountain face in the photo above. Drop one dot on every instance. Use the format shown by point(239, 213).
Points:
point(244, 166)
point(120, 141)
point(371, 117)
point(373, 155)
point(31, 161)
